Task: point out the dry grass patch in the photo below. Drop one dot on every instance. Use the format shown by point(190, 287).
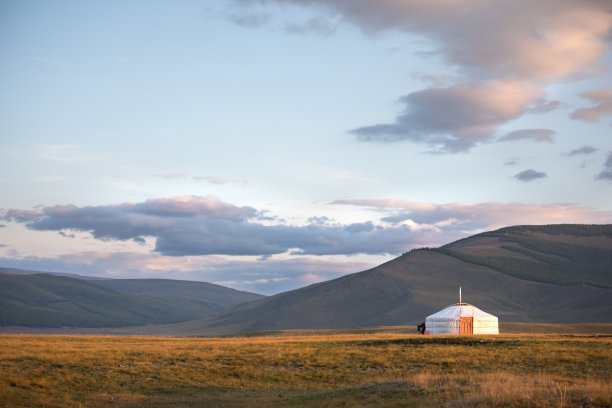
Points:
point(317, 370)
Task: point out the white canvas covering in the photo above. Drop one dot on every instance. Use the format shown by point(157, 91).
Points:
point(447, 320)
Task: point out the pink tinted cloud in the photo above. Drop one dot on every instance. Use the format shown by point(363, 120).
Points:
point(602, 100)
point(188, 205)
point(263, 275)
point(544, 39)
point(194, 226)
point(521, 45)
point(457, 117)
point(535, 135)
point(20, 215)
point(478, 216)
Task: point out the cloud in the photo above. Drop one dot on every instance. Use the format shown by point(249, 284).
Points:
point(315, 26)
point(310, 278)
point(194, 226)
point(198, 236)
point(582, 150)
point(602, 99)
point(261, 276)
point(606, 173)
point(536, 135)
point(230, 238)
point(470, 217)
point(128, 220)
point(455, 118)
point(512, 162)
point(191, 225)
point(21, 215)
point(249, 19)
point(507, 51)
point(545, 106)
point(529, 175)
point(547, 39)
point(191, 206)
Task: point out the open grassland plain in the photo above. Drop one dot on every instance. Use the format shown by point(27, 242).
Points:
point(332, 370)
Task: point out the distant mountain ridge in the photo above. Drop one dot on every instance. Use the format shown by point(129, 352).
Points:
point(17, 271)
point(543, 274)
point(46, 300)
point(521, 274)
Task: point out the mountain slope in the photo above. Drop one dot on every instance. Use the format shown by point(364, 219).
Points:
point(44, 300)
point(16, 271)
point(188, 295)
point(560, 254)
point(407, 289)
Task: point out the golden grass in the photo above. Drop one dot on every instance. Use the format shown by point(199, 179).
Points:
point(551, 328)
point(385, 369)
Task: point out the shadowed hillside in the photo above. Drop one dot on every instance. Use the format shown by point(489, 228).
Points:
point(195, 297)
point(44, 300)
point(541, 274)
point(560, 254)
point(16, 271)
point(553, 274)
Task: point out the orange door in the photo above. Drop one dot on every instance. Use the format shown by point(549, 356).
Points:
point(466, 325)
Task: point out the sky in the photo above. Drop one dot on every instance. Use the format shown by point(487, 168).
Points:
point(268, 145)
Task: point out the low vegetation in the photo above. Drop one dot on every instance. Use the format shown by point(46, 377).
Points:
point(547, 259)
point(46, 300)
point(386, 369)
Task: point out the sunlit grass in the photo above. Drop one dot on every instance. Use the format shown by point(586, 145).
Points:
point(328, 370)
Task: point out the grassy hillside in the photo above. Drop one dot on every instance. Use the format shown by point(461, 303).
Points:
point(17, 271)
point(46, 300)
point(537, 274)
point(43, 300)
point(407, 289)
point(559, 254)
point(188, 295)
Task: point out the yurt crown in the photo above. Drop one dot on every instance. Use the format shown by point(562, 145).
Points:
point(461, 303)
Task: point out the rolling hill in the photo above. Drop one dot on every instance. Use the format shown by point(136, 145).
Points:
point(45, 300)
point(17, 271)
point(189, 296)
point(543, 274)
point(546, 274)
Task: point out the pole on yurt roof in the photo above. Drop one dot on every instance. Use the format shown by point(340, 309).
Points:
point(460, 295)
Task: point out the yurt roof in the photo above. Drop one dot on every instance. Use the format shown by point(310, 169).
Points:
point(460, 310)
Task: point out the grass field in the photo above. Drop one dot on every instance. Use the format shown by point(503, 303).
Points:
point(333, 370)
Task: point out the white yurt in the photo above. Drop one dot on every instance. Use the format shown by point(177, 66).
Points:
point(461, 318)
